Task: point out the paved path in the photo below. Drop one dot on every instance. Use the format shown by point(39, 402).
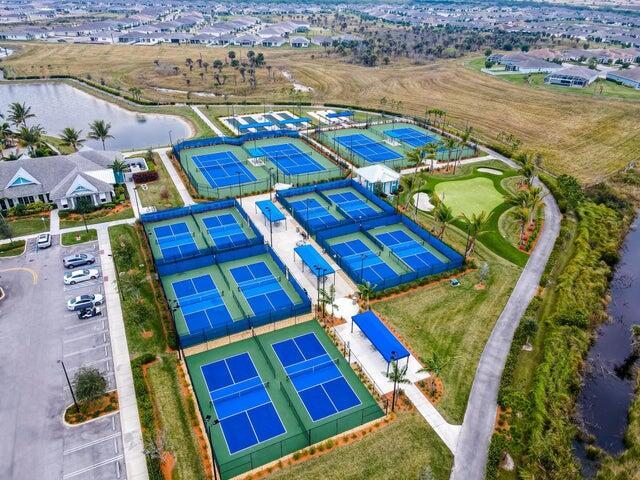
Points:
point(175, 177)
point(206, 120)
point(134, 457)
point(54, 222)
point(477, 428)
point(135, 198)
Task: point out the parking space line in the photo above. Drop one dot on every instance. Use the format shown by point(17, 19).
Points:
point(92, 443)
point(85, 350)
point(94, 466)
point(82, 337)
point(85, 364)
point(71, 327)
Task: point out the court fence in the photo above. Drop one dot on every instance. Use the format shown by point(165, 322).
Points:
point(454, 259)
point(246, 322)
point(293, 443)
point(236, 141)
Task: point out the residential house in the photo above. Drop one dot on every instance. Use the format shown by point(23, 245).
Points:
point(61, 179)
point(572, 77)
point(299, 42)
point(628, 76)
point(273, 41)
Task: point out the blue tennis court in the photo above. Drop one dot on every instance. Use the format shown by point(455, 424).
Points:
point(367, 148)
point(288, 158)
point(410, 136)
point(241, 402)
point(409, 250)
point(175, 240)
point(315, 375)
point(260, 288)
point(353, 206)
point(222, 169)
point(225, 231)
point(316, 214)
point(361, 258)
point(201, 303)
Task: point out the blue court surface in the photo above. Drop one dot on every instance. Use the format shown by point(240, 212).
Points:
point(354, 206)
point(316, 377)
point(367, 148)
point(260, 288)
point(316, 214)
point(241, 402)
point(222, 169)
point(411, 136)
point(225, 231)
point(360, 258)
point(411, 252)
point(175, 240)
point(288, 158)
point(201, 303)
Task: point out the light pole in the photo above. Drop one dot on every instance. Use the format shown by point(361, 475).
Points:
point(64, 369)
point(170, 139)
point(362, 256)
point(239, 187)
point(268, 209)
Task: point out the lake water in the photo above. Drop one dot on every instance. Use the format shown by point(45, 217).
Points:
point(608, 390)
point(58, 105)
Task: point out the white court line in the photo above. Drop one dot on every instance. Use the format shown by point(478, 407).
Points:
point(82, 337)
point(94, 466)
point(90, 444)
point(85, 350)
point(72, 327)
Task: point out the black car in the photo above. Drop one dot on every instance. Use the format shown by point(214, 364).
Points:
point(89, 312)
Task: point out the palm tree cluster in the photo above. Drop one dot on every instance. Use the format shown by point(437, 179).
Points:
point(245, 67)
point(31, 136)
point(526, 203)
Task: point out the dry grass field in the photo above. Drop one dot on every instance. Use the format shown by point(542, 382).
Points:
point(585, 136)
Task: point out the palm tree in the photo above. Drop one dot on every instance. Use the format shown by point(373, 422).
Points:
point(19, 113)
point(11, 157)
point(99, 130)
point(464, 138)
point(5, 134)
point(528, 172)
point(476, 224)
point(365, 290)
point(118, 165)
point(415, 157)
point(521, 215)
point(431, 150)
point(435, 364)
point(328, 297)
point(398, 375)
point(444, 216)
point(135, 91)
point(71, 138)
point(31, 137)
point(450, 143)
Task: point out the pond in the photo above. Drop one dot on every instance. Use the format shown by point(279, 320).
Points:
point(608, 389)
point(59, 105)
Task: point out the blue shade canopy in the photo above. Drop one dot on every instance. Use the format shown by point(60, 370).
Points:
point(379, 335)
point(270, 211)
point(312, 259)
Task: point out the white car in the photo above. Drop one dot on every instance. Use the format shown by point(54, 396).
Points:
point(81, 275)
point(85, 301)
point(43, 240)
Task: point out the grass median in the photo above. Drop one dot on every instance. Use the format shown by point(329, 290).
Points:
point(81, 236)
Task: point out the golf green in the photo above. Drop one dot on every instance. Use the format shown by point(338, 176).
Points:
point(470, 196)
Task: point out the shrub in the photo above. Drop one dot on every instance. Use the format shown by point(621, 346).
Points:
point(20, 210)
point(5, 247)
point(145, 177)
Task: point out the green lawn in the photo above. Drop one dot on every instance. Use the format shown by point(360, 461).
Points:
point(405, 449)
point(474, 195)
point(99, 216)
point(12, 249)
point(59, 145)
point(82, 236)
point(162, 193)
point(454, 322)
point(28, 225)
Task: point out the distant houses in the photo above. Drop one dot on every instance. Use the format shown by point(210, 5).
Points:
point(525, 63)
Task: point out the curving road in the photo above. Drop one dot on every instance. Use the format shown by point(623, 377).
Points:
point(477, 428)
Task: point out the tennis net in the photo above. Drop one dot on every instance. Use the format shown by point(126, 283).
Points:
point(314, 368)
point(240, 393)
point(211, 295)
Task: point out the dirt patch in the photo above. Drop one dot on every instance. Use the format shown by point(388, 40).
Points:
point(147, 334)
point(107, 403)
point(322, 448)
point(331, 321)
point(432, 388)
point(479, 286)
point(503, 417)
point(167, 464)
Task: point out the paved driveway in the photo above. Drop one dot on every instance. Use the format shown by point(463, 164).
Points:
point(37, 330)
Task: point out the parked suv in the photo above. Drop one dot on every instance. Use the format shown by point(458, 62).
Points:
point(84, 301)
point(81, 275)
point(78, 260)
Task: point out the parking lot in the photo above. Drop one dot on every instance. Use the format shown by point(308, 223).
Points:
point(37, 332)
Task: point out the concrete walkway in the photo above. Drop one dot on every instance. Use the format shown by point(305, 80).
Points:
point(134, 456)
point(175, 178)
point(54, 222)
point(473, 445)
point(135, 198)
point(206, 120)
point(442, 165)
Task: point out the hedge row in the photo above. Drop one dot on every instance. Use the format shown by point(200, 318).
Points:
point(145, 177)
